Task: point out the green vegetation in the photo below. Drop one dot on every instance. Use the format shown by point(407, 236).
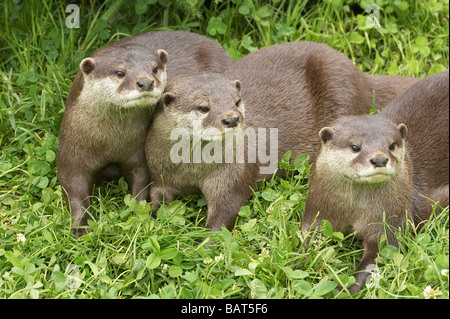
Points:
point(172, 256)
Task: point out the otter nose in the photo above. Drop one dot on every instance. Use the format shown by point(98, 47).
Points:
point(230, 122)
point(145, 84)
point(379, 161)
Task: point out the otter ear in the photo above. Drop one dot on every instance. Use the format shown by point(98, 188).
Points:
point(87, 65)
point(163, 56)
point(238, 85)
point(326, 134)
point(403, 130)
point(168, 98)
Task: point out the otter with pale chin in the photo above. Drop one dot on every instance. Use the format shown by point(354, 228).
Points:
point(361, 177)
point(375, 177)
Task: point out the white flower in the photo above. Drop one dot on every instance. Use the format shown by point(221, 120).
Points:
point(427, 292)
point(218, 258)
point(207, 260)
point(375, 276)
point(444, 272)
point(21, 238)
point(430, 293)
point(164, 268)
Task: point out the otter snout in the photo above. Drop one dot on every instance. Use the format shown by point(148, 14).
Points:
point(379, 161)
point(230, 122)
point(145, 84)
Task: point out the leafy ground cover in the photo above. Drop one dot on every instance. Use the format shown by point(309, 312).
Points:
point(172, 256)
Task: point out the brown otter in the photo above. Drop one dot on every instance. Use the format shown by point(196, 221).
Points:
point(205, 111)
point(110, 105)
point(365, 173)
point(289, 89)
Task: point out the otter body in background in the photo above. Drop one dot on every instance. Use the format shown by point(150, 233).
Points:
point(374, 168)
point(424, 109)
point(300, 87)
point(110, 106)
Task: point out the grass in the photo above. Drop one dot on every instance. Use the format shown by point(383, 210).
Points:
point(172, 255)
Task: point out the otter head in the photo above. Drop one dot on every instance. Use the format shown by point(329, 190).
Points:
point(125, 76)
point(207, 102)
point(363, 149)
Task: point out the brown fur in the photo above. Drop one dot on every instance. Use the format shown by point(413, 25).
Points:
point(189, 53)
point(388, 87)
point(99, 141)
point(353, 206)
point(300, 87)
point(424, 108)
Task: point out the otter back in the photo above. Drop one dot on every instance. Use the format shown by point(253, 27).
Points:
point(424, 108)
point(300, 87)
point(190, 53)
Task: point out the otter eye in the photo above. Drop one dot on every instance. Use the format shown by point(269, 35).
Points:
point(392, 146)
point(120, 74)
point(238, 103)
point(355, 148)
point(155, 70)
point(203, 109)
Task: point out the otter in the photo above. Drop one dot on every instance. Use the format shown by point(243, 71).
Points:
point(290, 89)
point(376, 168)
point(204, 110)
point(110, 105)
point(103, 128)
point(361, 171)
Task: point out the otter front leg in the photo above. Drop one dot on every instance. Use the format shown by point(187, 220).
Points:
point(362, 272)
point(223, 205)
point(77, 190)
point(138, 179)
point(160, 195)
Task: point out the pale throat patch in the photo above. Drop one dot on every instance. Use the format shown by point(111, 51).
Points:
point(104, 91)
point(337, 162)
point(192, 122)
